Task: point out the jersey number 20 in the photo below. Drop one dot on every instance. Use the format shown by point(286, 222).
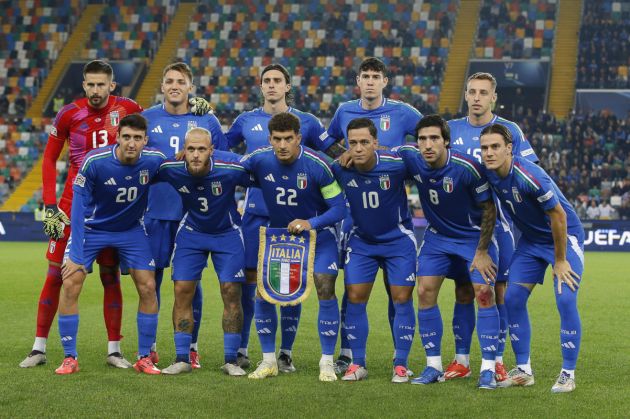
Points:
point(127, 194)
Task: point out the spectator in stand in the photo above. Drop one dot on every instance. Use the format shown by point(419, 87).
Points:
point(606, 211)
point(592, 212)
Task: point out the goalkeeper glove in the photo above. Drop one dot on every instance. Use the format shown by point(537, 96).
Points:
point(55, 221)
point(199, 106)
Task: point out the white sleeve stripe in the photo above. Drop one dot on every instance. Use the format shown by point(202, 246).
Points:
point(545, 197)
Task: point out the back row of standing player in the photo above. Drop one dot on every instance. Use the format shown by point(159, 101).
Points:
point(394, 121)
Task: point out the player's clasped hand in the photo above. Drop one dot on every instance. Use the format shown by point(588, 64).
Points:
point(345, 160)
point(486, 267)
point(562, 270)
point(55, 221)
point(297, 226)
point(199, 106)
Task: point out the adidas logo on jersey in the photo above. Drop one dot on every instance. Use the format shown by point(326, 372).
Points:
point(258, 127)
point(291, 329)
point(353, 184)
point(351, 337)
point(333, 266)
point(329, 333)
point(429, 345)
point(264, 331)
point(152, 263)
point(240, 274)
point(407, 337)
point(568, 345)
point(270, 178)
point(111, 181)
point(184, 189)
point(459, 141)
point(157, 130)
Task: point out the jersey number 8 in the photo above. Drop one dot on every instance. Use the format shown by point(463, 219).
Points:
point(434, 197)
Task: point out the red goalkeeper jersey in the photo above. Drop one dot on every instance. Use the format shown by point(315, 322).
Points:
point(85, 128)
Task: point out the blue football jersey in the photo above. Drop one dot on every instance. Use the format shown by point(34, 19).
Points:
point(529, 192)
point(394, 121)
point(208, 200)
point(304, 189)
point(167, 133)
point(450, 196)
point(377, 198)
point(109, 195)
point(251, 128)
point(465, 137)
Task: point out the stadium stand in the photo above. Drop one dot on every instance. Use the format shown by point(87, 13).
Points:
point(321, 43)
point(33, 34)
point(129, 30)
point(604, 47)
point(516, 29)
point(20, 147)
point(587, 155)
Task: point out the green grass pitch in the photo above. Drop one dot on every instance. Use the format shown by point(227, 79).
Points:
point(100, 391)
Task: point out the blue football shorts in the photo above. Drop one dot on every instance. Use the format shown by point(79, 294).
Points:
point(443, 256)
point(530, 260)
point(251, 224)
point(191, 252)
point(162, 239)
point(133, 247)
point(398, 257)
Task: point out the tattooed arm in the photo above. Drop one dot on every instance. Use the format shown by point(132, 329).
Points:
point(336, 149)
point(482, 261)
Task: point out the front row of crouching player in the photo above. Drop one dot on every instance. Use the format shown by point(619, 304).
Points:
point(458, 197)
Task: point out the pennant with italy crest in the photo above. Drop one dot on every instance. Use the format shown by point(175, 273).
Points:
point(285, 265)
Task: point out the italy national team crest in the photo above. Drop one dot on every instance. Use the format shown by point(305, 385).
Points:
point(302, 181)
point(384, 182)
point(447, 184)
point(285, 265)
point(114, 118)
point(217, 189)
point(191, 125)
point(516, 194)
point(144, 177)
point(385, 123)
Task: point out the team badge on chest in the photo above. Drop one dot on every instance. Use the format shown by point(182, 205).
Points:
point(447, 184)
point(384, 182)
point(217, 189)
point(302, 181)
point(516, 194)
point(144, 177)
point(114, 118)
point(385, 123)
point(191, 125)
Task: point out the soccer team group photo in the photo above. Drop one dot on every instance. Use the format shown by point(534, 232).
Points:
point(334, 199)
